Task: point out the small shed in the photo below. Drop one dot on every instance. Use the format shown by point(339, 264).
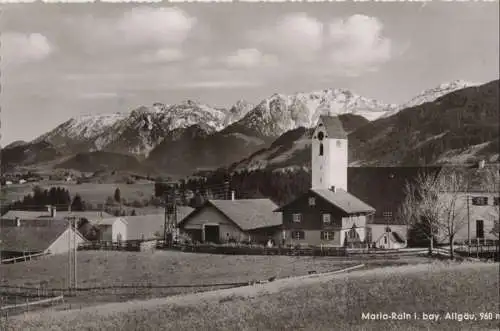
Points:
point(112, 229)
point(388, 236)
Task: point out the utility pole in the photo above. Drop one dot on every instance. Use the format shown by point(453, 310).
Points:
point(468, 224)
point(165, 202)
point(75, 247)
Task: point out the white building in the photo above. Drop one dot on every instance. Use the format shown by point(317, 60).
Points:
point(329, 160)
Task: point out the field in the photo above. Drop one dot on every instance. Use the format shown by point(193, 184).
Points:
point(110, 268)
point(334, 302)
point(90, 192)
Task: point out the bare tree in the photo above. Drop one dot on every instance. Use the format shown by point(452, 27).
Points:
point(431, 203)
point(453, 214)
point(491, 183)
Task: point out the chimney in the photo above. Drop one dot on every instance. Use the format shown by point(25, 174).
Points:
point(481, 164)
point(233, 195)
point(332, 188)
point(52, 211)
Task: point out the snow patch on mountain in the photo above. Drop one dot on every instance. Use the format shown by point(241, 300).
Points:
point(432, 94)
point(281, 113)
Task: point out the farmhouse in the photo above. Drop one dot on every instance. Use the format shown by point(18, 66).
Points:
point(27, 240)
point(146, 227)
point(330, 217)
point(233, 221)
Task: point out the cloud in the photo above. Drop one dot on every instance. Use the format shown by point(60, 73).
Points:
point(348, 46)
point(98, 95)
point(161, 26)
point(250, 58)
point(163, 55)
point(19, 48)
point(296, 32)
point(219, 84)
point(357, 45)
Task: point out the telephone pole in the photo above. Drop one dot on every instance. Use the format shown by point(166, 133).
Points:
point(468, 224)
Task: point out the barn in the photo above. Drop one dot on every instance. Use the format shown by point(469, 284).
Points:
point(17, 241)
point(245, 220)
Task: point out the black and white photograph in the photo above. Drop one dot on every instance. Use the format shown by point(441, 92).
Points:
point(249, 165)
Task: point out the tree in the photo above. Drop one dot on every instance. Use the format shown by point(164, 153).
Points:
point(133, 213)
point(118, 196)
point(77, 204)
point(430, 205)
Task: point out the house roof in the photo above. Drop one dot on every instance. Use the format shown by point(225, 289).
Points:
point(383, 187)
point(341, 199)
point(31, 238)
point(108, 220)
point(149, 225)
point(247, 214)
point(333, 127)
point(344, 200)
point(24, 214)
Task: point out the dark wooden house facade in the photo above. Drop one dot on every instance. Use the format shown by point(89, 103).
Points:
point(325, 217)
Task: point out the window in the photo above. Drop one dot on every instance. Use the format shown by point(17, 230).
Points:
point(385, 239)
point(320, 149)
point(327, 219)
point(327, 235)
point(312, 201)
point(479, 229)
point(496, 201)
point(297, 218)
point(298, 235)
point(479, 201)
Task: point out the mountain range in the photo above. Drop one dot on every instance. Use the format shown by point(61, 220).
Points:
point(183, 138)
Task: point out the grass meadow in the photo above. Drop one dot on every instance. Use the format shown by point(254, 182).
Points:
point(112, 268)
point(317, 304)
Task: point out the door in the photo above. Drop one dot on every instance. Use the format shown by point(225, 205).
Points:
point(212, 233)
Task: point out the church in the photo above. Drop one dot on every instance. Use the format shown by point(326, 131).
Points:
point(327, 214)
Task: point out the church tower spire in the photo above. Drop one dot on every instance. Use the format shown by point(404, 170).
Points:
point(329, 160)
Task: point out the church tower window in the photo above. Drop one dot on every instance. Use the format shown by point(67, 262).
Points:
point(320, 149)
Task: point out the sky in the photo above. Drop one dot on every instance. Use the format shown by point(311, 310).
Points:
point(63, 60)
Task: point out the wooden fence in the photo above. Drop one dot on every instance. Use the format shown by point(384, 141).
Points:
point(23, 258)
point(33, 303)
point(235, 249)
point(129, 245)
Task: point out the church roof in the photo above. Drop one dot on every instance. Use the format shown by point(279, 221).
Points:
point(333, 127)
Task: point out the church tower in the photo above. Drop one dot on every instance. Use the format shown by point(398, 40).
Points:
point(329, 154)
